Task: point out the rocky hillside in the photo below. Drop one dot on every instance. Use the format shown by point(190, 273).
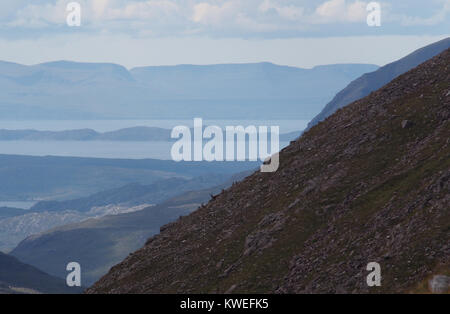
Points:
point(369, 184)
point(372, 81)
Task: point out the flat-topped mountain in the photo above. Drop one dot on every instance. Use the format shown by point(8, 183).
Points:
point(72, 90)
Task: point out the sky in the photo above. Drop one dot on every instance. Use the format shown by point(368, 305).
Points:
point(302, 33)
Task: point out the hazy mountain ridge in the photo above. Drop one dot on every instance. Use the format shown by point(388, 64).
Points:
point(269, 81)
point(133, 194)
point(100, 243)
point(17, 224)
point(17, 277)
point(6, 212)
point(62, 178)
point(370, 82)
point(137, 134)
point(16, 228)
point(370, 183)
point(73, 90)
point(127, 134)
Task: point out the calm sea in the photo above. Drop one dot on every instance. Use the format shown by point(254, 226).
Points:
point(115, 149)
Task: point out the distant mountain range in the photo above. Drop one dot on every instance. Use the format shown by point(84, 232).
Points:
point(137, 134)
point(133, 194)
point(63, 178)
point(70, 90)
point(128, 134)
point(17, 224)
point(7, 212)
point(74, 189)
point(17, 277)
point(370, 82)
point(100, 243)
point(371, 183)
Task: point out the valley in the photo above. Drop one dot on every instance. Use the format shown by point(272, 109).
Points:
point(86, 176)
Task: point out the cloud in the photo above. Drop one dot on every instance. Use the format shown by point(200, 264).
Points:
point(209, 14)
point(357, 12)
point(290, 12)
point(40, 15)
point(341, 11)
point(135, 10)
point(94, 12)
point(220, 18)
point(438, 17)
point(99, 7)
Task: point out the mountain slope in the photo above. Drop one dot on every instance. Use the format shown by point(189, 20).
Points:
point(369, 184)
point(71, 90)
point(17, 277)
point(370, 82)
point(98, 244)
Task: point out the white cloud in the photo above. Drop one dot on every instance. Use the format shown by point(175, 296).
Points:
point(219, 18)
point(137, 10)
point(209, 14)
point(99, 7)
point(331, 9)
point(37, 16)
point(341, 11)
point(437, 18)
point(289, 12)
point(356, 11)
point(95, 12)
